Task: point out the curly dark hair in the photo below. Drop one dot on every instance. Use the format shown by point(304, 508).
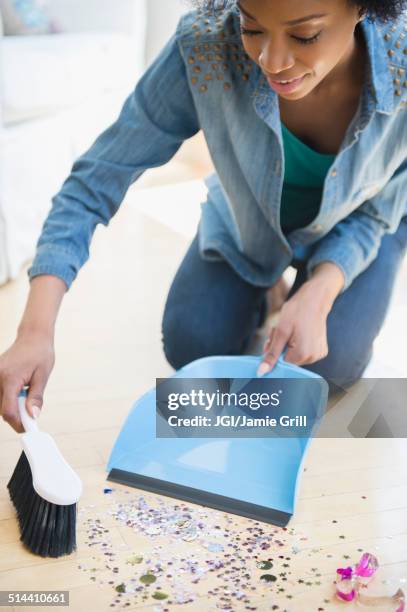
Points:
point(382, 10)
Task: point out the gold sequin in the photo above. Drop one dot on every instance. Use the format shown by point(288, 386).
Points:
point(226, 86)
point(197, 49)
point(387, 37)
point(245, 77)
point(206, 47)
point(214, 66)
point(208, 77)
point(196, 69)
point(219, 77)
point(396, 81)
point(400, 71)
point(398, 44)
point(390, 52)
point(217, 47)
point(201, 58)
point(398, 92)
point(405, 84)
point(191, 60)
point(225, 67)
point(218, 57)
point(197, 34)
point(203, 88)
point(194, 80)
point(392, 69)
point(209, 57)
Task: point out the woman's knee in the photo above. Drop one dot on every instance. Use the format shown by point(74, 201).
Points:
point(187, 336)
point(178, 344)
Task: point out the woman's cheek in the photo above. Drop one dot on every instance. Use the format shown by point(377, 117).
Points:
point(252, 49)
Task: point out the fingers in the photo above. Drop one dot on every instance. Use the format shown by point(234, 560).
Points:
point(269, 340)
point(35, 394)
point(24, 363)
point(9, 406)
point(275, 348)
point(9, 399)
point(298, 355)
point(303, 355)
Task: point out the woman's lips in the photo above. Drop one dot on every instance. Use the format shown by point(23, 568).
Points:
point(285, 87)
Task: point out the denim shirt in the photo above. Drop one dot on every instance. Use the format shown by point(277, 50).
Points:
point(203, 79)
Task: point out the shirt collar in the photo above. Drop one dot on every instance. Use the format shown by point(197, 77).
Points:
point(379, 76)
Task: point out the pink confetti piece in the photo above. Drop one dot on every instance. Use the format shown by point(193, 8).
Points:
point(351, 580)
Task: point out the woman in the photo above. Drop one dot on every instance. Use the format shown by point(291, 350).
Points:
point(310, 172)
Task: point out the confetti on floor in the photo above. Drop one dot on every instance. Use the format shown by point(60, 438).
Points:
point(180, 553)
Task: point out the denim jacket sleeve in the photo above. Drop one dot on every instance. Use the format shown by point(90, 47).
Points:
point(354, 242)
point(154, 121)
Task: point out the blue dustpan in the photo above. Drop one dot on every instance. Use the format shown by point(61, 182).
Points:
point(252, 477)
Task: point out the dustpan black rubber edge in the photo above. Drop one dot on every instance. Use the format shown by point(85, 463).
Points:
point(204, 498)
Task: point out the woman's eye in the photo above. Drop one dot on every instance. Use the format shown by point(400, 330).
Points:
point(303, 41)
point(307, 41)
point(246, 32)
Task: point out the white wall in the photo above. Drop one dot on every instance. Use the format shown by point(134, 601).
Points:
point(163, 16)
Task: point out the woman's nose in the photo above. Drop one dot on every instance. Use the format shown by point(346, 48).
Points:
point(274, 59)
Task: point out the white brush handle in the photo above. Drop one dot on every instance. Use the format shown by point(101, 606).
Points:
point(28, 422)
point(53, 478)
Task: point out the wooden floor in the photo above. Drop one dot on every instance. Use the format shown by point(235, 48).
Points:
point(352, 498)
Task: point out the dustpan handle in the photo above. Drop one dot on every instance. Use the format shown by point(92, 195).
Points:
point(28, 422)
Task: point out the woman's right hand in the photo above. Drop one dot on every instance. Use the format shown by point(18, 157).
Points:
point(28, 361)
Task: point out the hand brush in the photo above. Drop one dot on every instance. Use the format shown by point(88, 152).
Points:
point(44, 490)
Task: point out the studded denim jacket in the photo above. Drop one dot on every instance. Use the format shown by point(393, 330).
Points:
point(203, 79)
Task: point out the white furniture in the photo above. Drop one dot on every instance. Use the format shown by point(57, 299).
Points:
point(57, 93)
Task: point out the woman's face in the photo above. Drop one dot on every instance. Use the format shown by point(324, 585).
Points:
point(289, 39)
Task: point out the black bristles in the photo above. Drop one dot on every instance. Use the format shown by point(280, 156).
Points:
point(46, 529)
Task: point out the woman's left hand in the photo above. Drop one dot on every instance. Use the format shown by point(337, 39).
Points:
point(302, 326)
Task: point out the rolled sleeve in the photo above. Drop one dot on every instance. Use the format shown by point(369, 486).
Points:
point(154, 121)
point(354, 242)
point(56, 261)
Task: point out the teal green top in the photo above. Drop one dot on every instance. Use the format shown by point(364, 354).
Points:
point(305, 171)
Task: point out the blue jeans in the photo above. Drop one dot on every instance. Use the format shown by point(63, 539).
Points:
point(210, 310)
